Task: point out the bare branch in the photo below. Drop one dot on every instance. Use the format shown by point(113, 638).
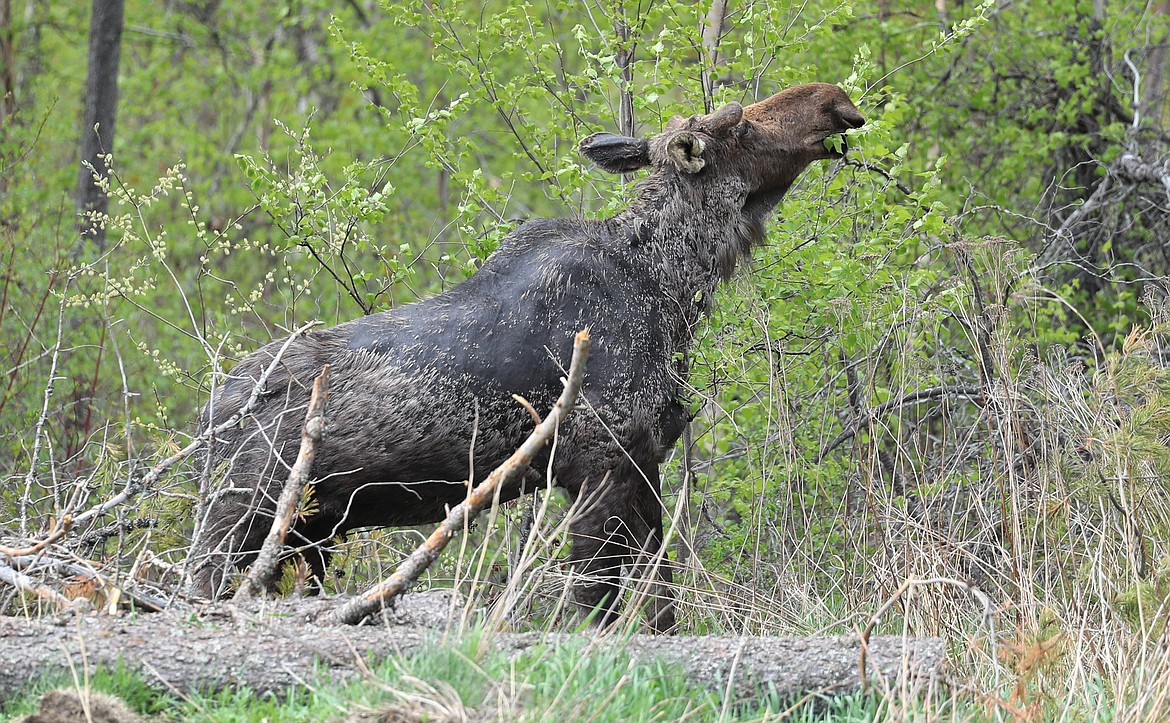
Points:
point(59, 531)
point(624, 57)
point(914, 397)
point(24, 583)
point(1135, 168)
point(479, 498)
point(38, 430)
point(136, 485)
point(712, 34)
point(527, 407)
point(263, 571)
point(70, 567)
point(874, 168)
point(1130, 169)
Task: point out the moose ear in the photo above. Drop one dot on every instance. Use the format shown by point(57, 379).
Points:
point(614, 153)
point(685, 151)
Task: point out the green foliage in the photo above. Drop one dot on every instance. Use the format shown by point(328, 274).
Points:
point(129, 686)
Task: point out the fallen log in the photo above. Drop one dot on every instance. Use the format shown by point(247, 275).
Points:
point(271, 646)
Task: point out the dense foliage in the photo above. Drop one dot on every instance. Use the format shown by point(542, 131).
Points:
point(946, 365)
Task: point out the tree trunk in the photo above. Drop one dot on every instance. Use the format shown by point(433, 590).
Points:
point(1153, 103)
point(101, 103)
point(7, 63)
point(275, 645)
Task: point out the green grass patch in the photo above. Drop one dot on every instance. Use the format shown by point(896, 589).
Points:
point(578, 681)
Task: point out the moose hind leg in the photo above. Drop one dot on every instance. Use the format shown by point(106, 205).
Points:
point(233, 529)
point(597, 555)
point(653, 572)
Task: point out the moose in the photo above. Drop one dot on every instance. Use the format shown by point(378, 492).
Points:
point(421, 398)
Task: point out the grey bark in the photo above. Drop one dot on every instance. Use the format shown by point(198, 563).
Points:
point(101, 104)
point(712, 35)
point(1153, 87)
point(273, 645)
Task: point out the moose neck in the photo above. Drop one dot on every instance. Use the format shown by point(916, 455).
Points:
point(692, 236)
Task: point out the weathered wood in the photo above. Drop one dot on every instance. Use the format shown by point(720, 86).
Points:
point(274, 645)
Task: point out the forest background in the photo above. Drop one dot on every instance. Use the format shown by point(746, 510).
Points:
point(946, 367)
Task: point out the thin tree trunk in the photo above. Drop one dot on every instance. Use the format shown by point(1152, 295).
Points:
point(1153, 86)
point(712, 34)
point(7, 63)
point(7, 74)
point(625, 58)
point(101, 103)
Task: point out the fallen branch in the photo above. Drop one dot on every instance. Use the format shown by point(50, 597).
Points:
point(24, 583)
point(65, 568)
point(479, 498)
point(59, 530)
point(264, 569)
point(97, 537)
point(1136, 169)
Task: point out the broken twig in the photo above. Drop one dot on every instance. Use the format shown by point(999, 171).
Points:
point(915, 397)
point(264, 570)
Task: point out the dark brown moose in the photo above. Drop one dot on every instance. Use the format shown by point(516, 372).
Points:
point(421, 396)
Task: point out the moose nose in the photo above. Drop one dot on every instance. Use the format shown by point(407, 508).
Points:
point(852, 118)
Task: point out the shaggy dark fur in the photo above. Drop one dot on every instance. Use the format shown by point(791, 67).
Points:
point(412, 387)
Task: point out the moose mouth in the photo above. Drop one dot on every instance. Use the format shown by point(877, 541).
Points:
point(836, 145)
